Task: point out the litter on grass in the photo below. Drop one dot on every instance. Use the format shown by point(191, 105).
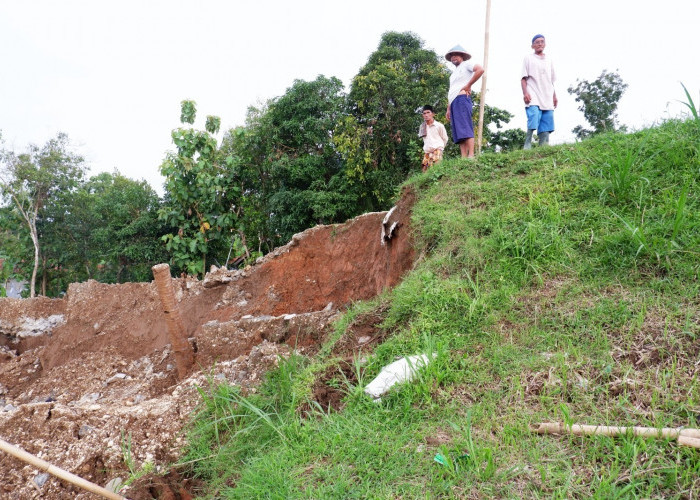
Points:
point(402, 370)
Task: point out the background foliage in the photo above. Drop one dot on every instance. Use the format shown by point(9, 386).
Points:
point(34, 181)
point(379, 137)
point(598, 100)
point(314, 155)
point(200, 197)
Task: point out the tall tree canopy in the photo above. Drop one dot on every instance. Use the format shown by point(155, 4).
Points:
point(292, 176)
point(107, 230)
point(599, 100)
point(379, 138)
point(34, 179)
point(200, 196)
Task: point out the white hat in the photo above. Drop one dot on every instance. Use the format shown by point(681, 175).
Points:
point(459, 50)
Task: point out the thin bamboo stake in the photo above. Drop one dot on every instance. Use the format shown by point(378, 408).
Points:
point(58, 472)
point(482, 97)
point(689, 441)
point(686, 437)
point(184, 355)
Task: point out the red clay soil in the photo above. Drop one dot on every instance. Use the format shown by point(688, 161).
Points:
point(89, 380)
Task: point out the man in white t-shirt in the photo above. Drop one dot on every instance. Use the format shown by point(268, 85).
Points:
point(434, 138)
point(537, 82)
point(459, 101)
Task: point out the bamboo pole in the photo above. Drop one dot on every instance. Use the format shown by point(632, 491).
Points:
point(689, 441)
point(184, 356)
point(482, 97)
point(686, 437)
point(58, 472)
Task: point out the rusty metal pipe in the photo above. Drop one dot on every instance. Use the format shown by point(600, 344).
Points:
point(184, 355)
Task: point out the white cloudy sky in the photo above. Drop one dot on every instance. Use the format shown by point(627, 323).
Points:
point(112, 74)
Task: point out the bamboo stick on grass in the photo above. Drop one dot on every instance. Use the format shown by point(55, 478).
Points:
point(686, 437)
point(689, 441)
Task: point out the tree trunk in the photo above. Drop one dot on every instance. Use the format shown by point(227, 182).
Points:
point(44, 277)
point(35, 240)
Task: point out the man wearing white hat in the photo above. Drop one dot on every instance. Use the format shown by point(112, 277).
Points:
point(459, 101)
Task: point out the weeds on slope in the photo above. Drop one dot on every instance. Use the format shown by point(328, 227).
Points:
point(555, 284)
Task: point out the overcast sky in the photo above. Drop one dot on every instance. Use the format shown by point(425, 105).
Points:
point(112, 74)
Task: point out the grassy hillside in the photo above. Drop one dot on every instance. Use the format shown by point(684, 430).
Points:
point(558, 284)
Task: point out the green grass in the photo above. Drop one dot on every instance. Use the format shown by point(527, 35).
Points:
point(558, 284)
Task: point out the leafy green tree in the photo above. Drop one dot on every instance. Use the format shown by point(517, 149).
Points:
point(14, 246)
point(34, 178)
point(64, 230)
point(599, 100)
point(127, 229)
point(200, 196)
point(107, 229)
point(379, 137)
point(246, 152)
point(291, 174)
point(308, 174)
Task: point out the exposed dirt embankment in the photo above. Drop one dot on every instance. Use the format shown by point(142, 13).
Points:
point(24, 323)
point(79, 375)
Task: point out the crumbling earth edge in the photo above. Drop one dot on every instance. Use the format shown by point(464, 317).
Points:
point(88, 382)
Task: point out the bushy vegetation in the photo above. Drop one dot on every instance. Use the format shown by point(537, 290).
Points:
point(599, 99)
point(558, 284)
point(104, 228)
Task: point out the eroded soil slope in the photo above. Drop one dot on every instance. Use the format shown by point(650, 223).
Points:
point(90, 379)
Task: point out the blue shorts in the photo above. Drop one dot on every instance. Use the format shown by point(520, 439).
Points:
point(461, 118)
point(543, 121)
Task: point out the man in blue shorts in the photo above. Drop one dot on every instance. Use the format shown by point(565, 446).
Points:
point(537, 82)
point(459, 101)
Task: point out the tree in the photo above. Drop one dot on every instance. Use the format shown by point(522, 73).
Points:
point(200, 196)
point(14, 246)
point(246, 151)
point(598, 100)
point(33, 178)
point(307, 171)
point(107, 229)
point(292, 176)
point(126, 239)
point(379, 137)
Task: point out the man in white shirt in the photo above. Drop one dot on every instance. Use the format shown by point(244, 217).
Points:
point(537, 82)
point(459, 101)
point(434, 138)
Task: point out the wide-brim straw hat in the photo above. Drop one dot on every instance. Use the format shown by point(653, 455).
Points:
point(458, 49)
